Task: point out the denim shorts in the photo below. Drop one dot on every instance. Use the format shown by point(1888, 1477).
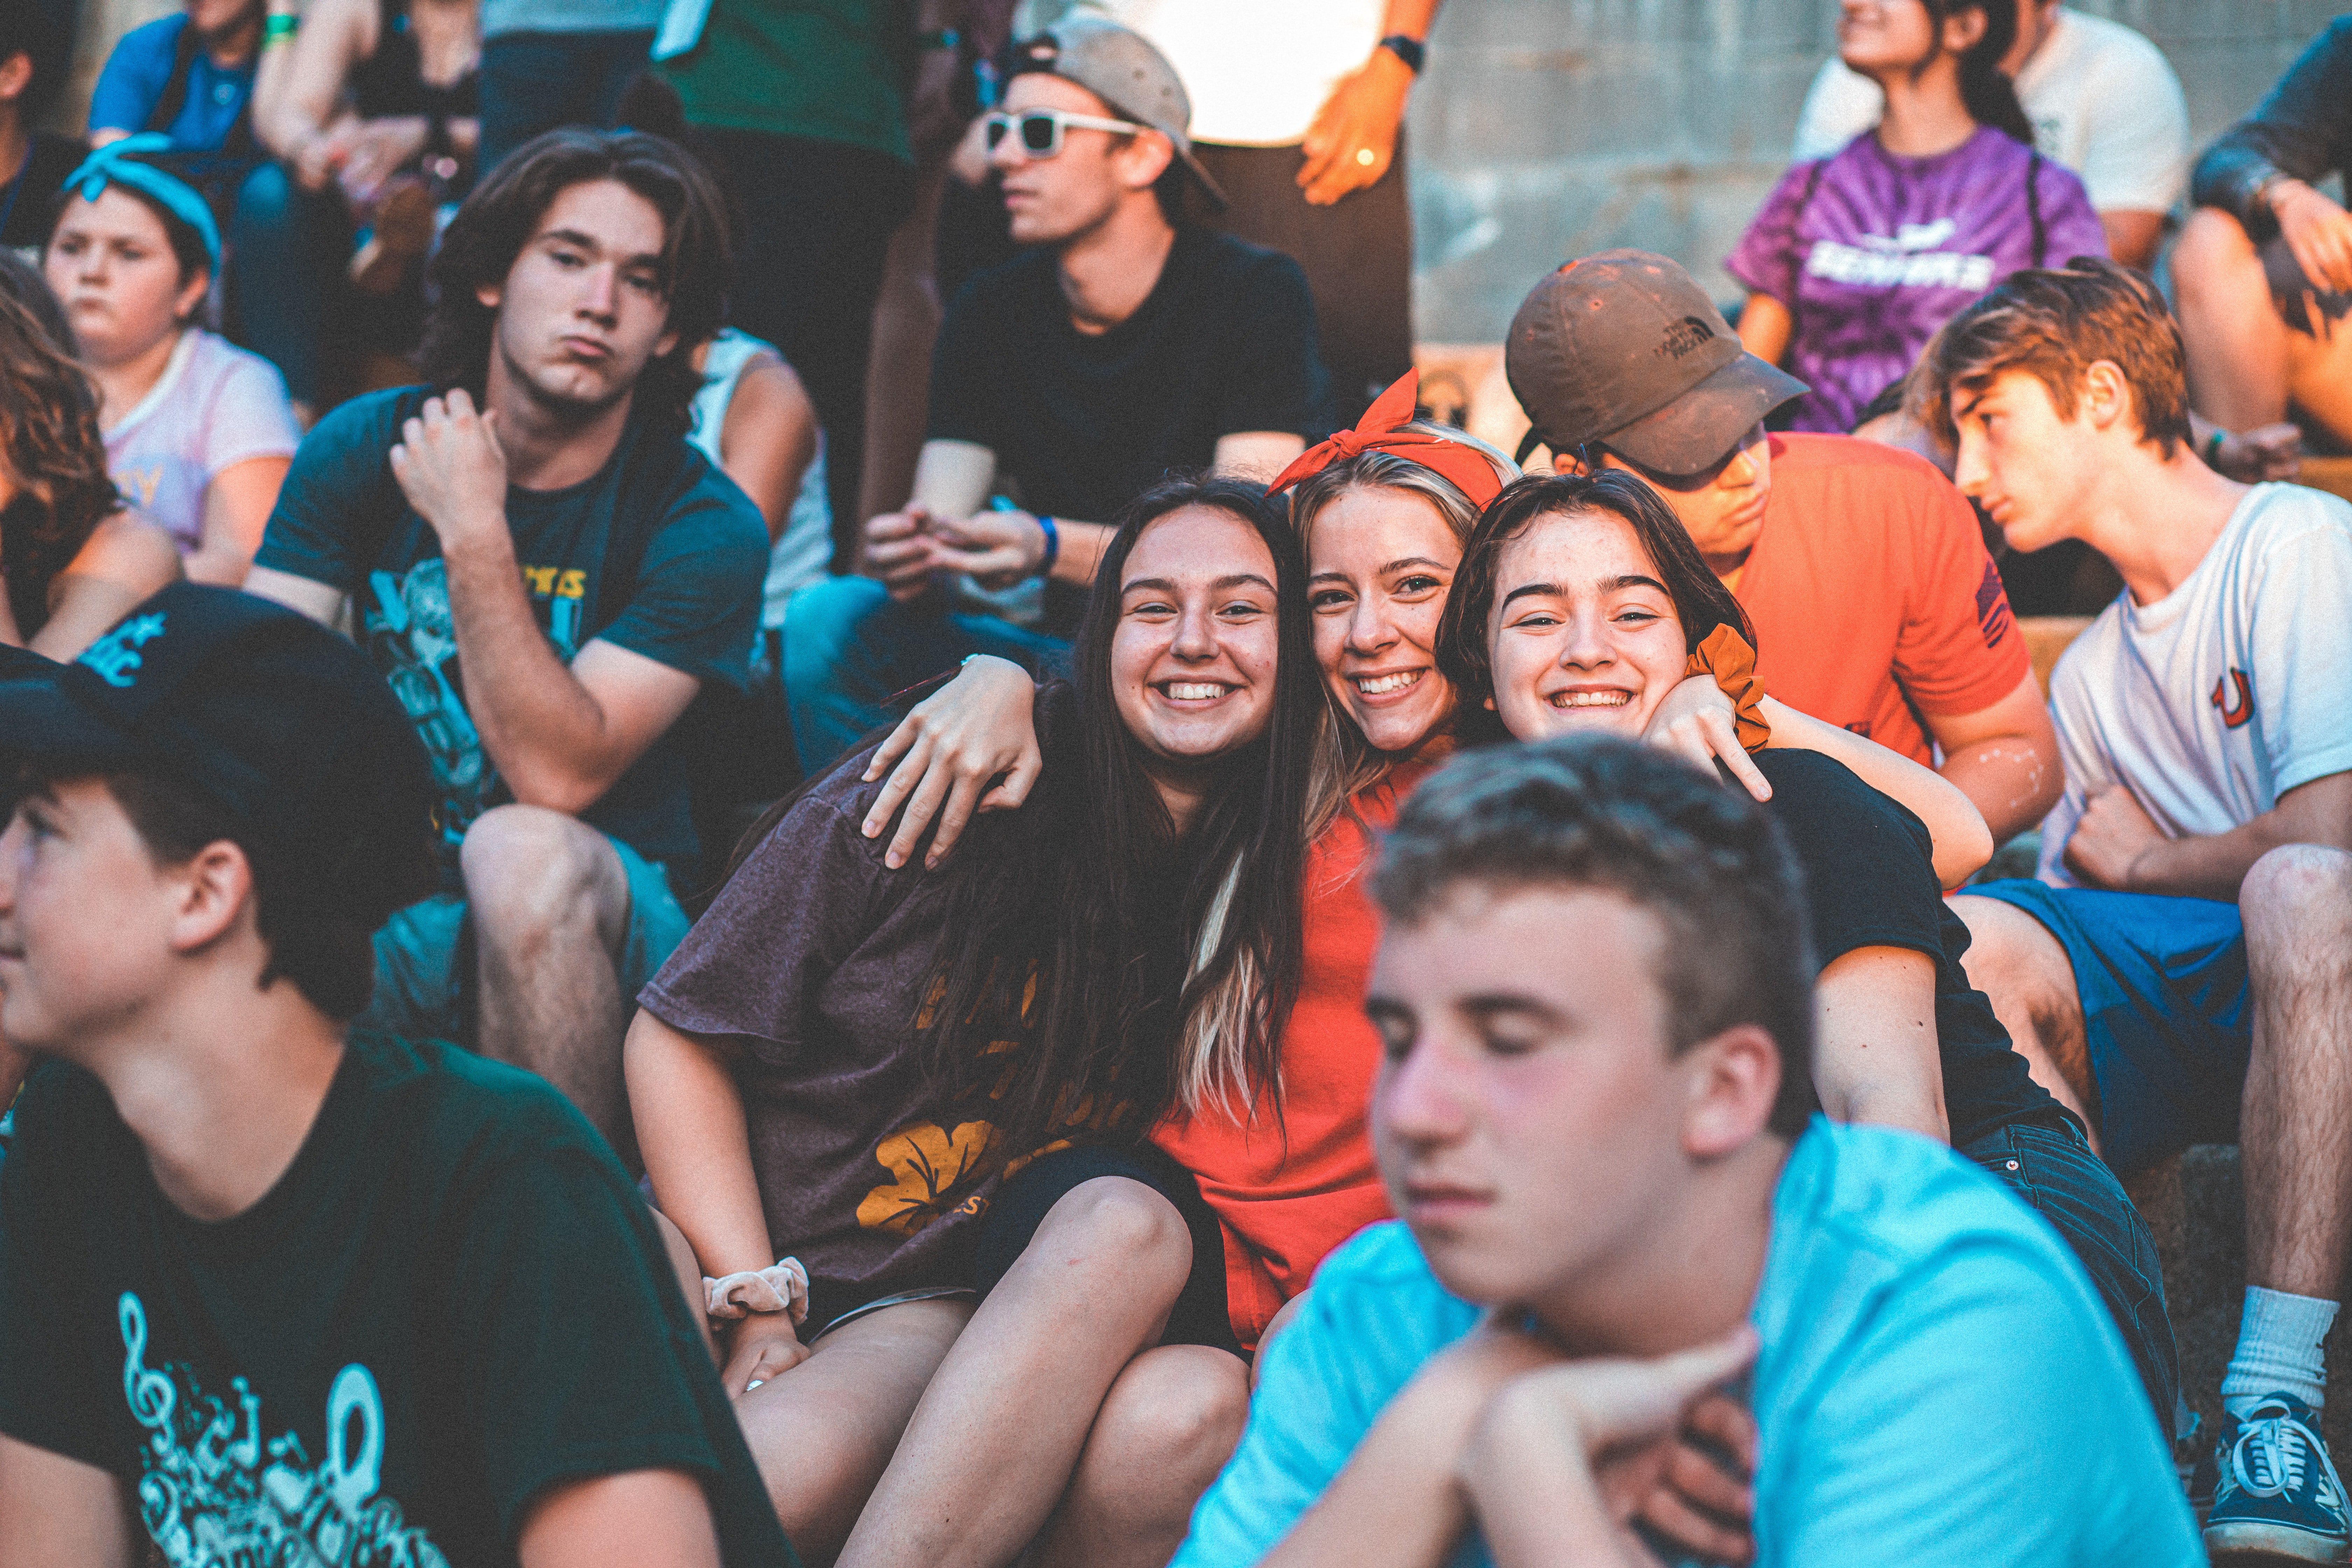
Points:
point(2168, 1012)
point(2050, 1167)
point(424, 966)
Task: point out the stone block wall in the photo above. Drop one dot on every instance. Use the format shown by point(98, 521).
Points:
point(1547, 129)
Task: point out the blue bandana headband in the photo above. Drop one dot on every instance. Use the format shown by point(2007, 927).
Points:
point(114, 162)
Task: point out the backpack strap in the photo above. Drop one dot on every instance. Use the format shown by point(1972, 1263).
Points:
point(175, 96)
point(239, 143)
point(2033, 210)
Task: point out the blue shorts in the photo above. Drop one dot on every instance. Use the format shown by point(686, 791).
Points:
point(2168, 1012)
point(425, 965)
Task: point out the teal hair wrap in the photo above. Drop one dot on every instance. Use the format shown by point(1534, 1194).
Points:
point(117, 162)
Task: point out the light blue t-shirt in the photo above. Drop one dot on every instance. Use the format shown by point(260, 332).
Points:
point(136, 73)
point(1938, 1383)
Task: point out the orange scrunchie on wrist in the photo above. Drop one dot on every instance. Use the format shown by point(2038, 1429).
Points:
point(1726, 655)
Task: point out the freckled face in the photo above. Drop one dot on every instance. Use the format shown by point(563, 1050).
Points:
point(1584, 635)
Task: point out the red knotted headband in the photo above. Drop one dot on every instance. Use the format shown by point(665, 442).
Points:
point(1379, 431)
point(1725, 654)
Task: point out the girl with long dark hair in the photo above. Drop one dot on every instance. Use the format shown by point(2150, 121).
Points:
point(1858, 258)
point(72, 559)
point(929, 1088)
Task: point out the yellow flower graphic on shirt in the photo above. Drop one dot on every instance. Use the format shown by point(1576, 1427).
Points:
point(926, 1162)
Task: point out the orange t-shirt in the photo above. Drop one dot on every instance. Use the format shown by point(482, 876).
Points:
point(1872, 598)
point(1286, 1192)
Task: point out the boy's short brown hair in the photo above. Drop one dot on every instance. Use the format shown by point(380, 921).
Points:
point(2056, 324)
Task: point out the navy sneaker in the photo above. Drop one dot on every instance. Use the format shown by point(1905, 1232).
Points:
point(2276, 1499)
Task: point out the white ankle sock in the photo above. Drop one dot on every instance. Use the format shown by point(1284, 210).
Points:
point(2278, 1350)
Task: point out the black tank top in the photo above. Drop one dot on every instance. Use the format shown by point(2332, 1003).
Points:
point(391, 81)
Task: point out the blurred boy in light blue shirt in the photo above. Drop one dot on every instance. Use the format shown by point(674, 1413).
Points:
point(1593, 1118)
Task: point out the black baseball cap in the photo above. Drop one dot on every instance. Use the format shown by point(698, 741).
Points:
point(1624, 349)
point(276, 719)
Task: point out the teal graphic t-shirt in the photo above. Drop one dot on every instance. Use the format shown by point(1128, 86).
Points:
point(657, 552)
point(451, 1300)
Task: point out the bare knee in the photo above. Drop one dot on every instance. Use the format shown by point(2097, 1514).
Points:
point(2213, 251)
point(1166, 1428)
point(532, 873)
point(2296, 903)
point(2011, 957)
point(1180, 1409)
point(1120, 1229)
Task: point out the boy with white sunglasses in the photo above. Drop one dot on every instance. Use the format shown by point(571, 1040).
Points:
point(1125, 344)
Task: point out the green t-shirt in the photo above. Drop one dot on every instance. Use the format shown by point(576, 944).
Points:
point(452, 1299)
point(831, 71)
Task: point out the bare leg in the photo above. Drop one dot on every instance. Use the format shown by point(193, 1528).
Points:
point(689, 1277)
point(2320, 375)
point(2237, 342)
point(1166, 1428)
point(1022, 1384)
point(2296, 1134)
point(823, 1432)
point(551, 905)
point(899, 367)
point(2014, 960)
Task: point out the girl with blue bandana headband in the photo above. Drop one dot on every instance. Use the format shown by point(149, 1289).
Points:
point(198, 433)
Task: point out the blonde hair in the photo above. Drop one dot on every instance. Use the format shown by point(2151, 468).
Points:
point(1211, 1058)
point(1345, 763)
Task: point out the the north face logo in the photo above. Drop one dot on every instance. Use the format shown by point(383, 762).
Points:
point(1684, 335)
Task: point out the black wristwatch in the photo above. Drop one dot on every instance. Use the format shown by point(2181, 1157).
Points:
point(1409, 50)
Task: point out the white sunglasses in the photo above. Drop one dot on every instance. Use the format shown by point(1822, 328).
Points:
point(1041, 128)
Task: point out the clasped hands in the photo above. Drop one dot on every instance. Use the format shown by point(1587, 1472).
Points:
point(2109, 840)
point(906, 549)
point(1616, 1441)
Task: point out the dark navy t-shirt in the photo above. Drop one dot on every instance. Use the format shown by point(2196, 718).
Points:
point(452, 1301)
point(692, 603)
point(1082, 424)
point(136, 73)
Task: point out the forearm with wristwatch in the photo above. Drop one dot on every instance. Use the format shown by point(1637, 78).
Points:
point(2301, 133)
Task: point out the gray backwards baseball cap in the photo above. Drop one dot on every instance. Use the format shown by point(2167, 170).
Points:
point(1120, 67)
point(1624, 349)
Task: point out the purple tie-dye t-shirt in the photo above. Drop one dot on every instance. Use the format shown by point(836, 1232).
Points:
point(1871, 253)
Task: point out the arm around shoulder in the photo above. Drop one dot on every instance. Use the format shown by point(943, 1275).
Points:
point(1962, 841)
point(125, 560)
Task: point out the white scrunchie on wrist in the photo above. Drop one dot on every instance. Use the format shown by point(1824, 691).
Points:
point(782, 1287)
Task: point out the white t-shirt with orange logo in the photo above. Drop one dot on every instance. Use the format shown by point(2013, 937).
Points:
point(2231, 690)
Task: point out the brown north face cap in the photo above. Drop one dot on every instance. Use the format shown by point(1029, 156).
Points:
point(1624, 349)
